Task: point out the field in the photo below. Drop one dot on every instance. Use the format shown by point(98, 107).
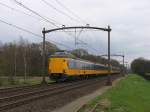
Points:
point(131, 94)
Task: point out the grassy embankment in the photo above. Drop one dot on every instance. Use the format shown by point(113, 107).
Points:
point(19, 81)
point(131, 94)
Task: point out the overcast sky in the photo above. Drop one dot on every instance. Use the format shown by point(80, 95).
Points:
point(129, 20)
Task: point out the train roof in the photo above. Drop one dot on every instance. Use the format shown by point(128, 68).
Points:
point(90, 62)
point(62, 54)
point(65, 54)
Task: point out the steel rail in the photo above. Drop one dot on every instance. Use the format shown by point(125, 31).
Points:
point(50, 93)
point(18, 88)
point(5, 99)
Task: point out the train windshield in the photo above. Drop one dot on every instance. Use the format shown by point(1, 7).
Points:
point(63, 54)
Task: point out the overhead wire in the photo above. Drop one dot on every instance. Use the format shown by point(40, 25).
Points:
point(22, 12)
point(66, 46)
point(27, 31)
point(53, 7)
point(93, 48)
point(86, 44)
point(25, 14)
point(34, 12)
point(62, 13)
point(83, 43)
point(17, 27)
point(14, 9)
point(90, 47)
point(77, 38)
point(71, 12)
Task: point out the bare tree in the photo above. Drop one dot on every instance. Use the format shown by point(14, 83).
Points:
point(15, 59)
point(23, 44)
point(9, 56)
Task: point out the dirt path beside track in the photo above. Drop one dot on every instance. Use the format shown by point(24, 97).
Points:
point(77, 104)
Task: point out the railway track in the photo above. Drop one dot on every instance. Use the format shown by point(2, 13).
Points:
point(6, 92)
point(17, 90)
point(12, 89)
point(24, 98)
point(30, 89)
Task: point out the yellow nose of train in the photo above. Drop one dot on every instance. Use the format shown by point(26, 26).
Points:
point(57, 65)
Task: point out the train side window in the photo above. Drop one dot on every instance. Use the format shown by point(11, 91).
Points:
point(72, 64)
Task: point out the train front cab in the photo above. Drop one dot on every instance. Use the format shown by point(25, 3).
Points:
point(56, 68)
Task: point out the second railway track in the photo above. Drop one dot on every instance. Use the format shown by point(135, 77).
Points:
point(20, 99)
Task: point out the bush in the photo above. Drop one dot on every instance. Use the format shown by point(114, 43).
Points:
point(140, 66)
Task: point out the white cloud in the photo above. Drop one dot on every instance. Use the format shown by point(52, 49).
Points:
point(129, 20)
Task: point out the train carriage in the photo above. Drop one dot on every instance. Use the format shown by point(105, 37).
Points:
point(63, 65)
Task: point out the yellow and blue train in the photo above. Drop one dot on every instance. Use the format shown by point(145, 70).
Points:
point(63, 66)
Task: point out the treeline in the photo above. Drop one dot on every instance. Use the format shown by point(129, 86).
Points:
point(140, 66)
point(23, 58)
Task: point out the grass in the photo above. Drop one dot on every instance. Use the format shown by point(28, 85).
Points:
point(19, 81)
point(131, 94)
